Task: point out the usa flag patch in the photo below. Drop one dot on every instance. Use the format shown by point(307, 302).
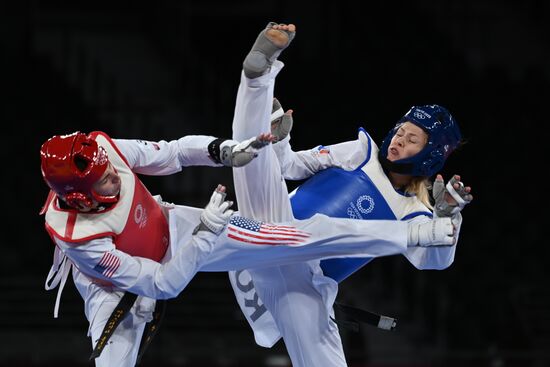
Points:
point(260, 233)
point(108, 264)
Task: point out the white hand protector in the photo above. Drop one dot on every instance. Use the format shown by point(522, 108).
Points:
point(234, 154)
point(281, 122)
point(216, 215)
point(435, 232)
point(440, 193)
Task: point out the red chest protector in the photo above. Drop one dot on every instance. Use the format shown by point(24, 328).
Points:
point(136, 222)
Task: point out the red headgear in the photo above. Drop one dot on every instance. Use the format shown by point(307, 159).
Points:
point(71, 165)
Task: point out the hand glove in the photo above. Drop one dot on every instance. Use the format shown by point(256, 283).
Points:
point(281, 122)
point(234, 154)
point(435, 232)
point(216, 214)
point(442, 194)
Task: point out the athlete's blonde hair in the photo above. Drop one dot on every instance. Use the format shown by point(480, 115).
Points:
point(419, 186)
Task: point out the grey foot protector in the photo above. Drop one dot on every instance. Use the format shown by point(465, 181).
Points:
point(263, 53)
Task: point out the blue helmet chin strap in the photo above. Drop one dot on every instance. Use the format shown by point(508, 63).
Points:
point(443, 137)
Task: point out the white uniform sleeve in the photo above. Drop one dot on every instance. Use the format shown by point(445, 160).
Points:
point(166, 157)
point(431, 258)
point(100, 259)
point(305, 163)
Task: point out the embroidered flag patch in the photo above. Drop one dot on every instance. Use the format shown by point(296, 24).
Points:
point(108, 264)
point(260, 233)
point(321, 149)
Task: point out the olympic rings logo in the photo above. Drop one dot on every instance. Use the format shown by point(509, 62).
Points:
point(140, 216)
point(370, 202)
point(363, 205)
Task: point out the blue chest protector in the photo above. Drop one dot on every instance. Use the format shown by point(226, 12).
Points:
point(353, 194)
point(342, 194)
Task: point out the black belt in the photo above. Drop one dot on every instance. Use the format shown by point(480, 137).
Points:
point(353, 316)
point(118, 314)
point(151, 328)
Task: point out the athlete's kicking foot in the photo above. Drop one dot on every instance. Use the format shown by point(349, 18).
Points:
point(268, 46)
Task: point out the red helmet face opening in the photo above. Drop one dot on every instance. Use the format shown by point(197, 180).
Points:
point(71, 165)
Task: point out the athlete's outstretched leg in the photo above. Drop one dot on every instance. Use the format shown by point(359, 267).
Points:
point(260, 189)
point(287, 292)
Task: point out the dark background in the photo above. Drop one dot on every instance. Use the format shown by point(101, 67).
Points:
point(165, 69)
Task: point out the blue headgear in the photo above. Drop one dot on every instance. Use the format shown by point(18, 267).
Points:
point(443, 137)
